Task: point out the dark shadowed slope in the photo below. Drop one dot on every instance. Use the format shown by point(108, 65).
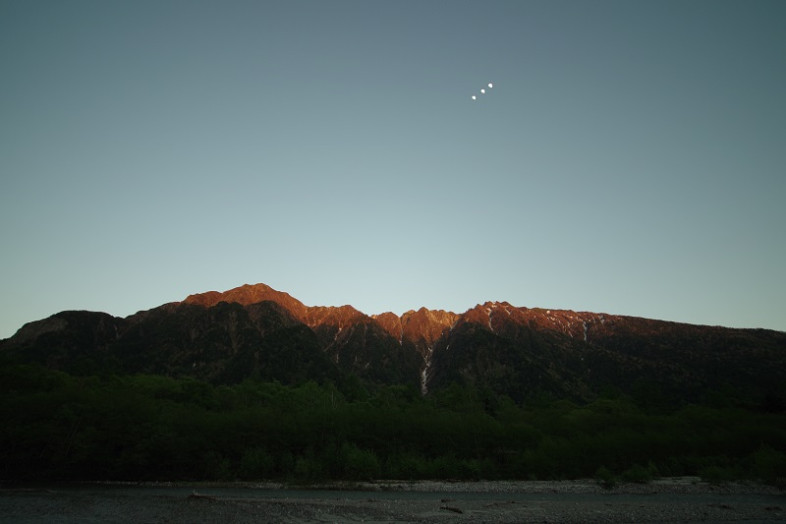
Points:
point(255, 331)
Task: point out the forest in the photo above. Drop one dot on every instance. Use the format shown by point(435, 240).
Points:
point(63, 427)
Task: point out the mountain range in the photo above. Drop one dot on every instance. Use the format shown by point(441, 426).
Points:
point(257, 332)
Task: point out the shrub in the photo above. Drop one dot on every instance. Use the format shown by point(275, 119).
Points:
point(717, 474)
point(360, 464)
point(606, 478)
point(308, 469)
point(256, 464)
point(640, 474)
point(770, 466)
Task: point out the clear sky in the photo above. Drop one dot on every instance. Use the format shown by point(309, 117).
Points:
point(630, 159)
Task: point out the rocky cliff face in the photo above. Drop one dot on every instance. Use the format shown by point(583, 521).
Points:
point(256, 331)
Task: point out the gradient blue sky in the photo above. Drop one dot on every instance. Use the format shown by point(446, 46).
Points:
point(630, 158)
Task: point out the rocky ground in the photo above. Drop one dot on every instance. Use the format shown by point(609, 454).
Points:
point(672, 500)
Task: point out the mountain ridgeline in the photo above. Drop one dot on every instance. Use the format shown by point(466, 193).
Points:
point(256, 332)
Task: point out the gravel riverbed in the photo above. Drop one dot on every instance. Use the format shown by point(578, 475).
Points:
point(665, 500)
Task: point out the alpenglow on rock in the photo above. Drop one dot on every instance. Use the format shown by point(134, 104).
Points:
point(257, 332)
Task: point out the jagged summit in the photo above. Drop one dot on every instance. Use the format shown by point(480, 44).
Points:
point(257, 331)
point(423, 327)
point(423, 323)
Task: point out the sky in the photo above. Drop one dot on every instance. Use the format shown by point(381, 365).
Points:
point(630, 158)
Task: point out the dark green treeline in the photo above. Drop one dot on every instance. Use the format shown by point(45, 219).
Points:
point(62, 427)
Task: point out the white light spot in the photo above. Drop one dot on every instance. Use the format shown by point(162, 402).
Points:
point(474, 97)
point(491, 85)
point(482, 91)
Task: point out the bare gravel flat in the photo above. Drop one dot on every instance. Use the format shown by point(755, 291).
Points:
point(670, 500)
